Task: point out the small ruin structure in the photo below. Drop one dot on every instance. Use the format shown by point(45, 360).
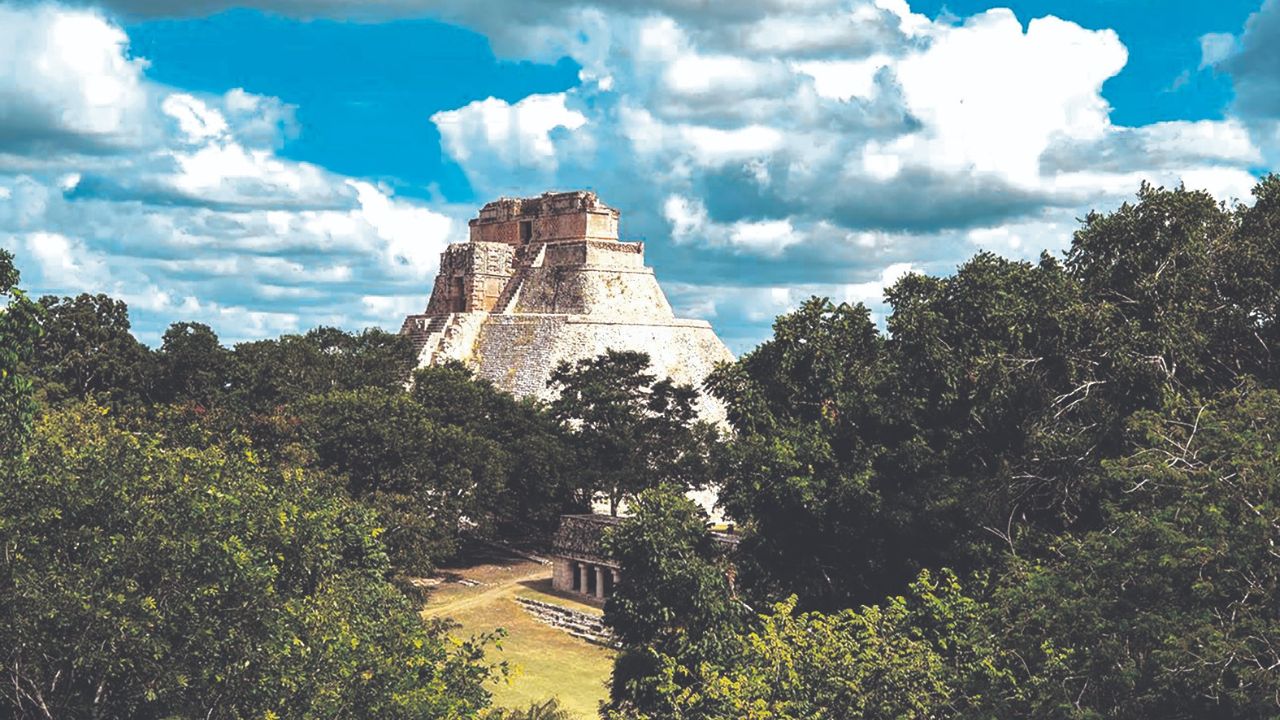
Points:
point(581, 566)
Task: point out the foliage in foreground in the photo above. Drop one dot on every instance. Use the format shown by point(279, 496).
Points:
point(142, 581)
point(1172, 607)
point(925, 655)
point(145, 577)
point(675, 599)
point(1090, 445)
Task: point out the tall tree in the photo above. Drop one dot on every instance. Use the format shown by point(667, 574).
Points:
point(797, 469)
point(675, 599)
point(19, 331)
point(86, 350)
point(194, 366)
point(630, 430)
point(528, 444)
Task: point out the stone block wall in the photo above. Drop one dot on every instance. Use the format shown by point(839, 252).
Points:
point(595, 254)
point(586, 626)
point(459, 337)
point(562, 574)
point(506, 232)
point(619, 295)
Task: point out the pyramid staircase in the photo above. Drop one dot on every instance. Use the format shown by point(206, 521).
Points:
point(425, 332)
point(511, 293)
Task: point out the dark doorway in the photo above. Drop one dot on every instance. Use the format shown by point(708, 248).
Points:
point(457, 292)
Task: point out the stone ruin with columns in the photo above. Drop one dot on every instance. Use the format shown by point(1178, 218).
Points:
point(545, 279)
point(580, 566)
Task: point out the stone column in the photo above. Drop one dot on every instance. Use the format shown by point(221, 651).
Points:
point(599, 581)
point(561, 574)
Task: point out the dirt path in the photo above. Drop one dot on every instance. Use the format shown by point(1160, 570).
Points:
point(488, 592)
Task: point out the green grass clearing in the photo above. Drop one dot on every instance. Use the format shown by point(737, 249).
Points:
point(540, 589)
point(547, 662)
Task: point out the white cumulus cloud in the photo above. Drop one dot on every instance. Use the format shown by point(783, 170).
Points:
point(67, 83)
point(992, 97)
point(764, 149)
point(516, 134)
point(178, 202)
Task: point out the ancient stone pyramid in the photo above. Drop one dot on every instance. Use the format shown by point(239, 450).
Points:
point(545, 279)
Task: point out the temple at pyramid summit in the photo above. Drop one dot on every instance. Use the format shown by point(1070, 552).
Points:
point(546, 279)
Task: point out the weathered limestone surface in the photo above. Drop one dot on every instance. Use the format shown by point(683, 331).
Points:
point(518, 353)
point(544, 280)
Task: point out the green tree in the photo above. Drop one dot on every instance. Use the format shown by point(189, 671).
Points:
point(268, 374)
point(19, 331)
point(194, 366)
point(629, 430)
point(1167, 270)
point(528, 445)
point(1168, 609)
point(427, 481)
point(675, 599)
point(796, 471)
point(926, 655)
point(87, 351)
point(147, 582)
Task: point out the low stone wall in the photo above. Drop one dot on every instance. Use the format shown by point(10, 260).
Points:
point(579, 624)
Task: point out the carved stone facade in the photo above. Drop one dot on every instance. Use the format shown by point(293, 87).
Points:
point(472, 277)
point(550, 217)
point(545, 279)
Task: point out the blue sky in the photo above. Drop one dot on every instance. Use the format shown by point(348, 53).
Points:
point(269, 166)
point(364, 91)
